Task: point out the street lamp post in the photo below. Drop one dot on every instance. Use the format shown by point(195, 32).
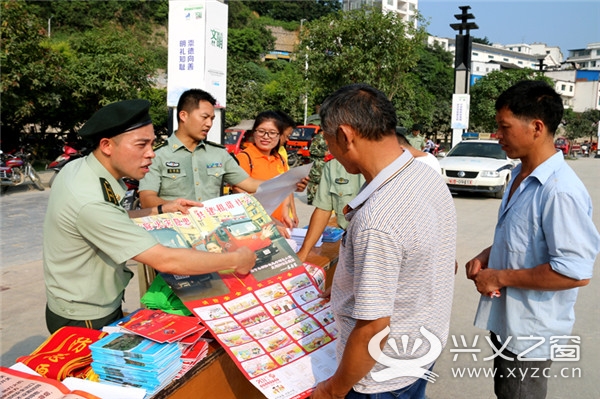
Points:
point(49, 24)
point(462, 73)
point(305, 77)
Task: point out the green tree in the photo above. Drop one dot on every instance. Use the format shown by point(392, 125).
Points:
point(485, 41)
point(286, 89)
point(30, 73)
point(293, 10)
point(248, 44)
point(434, 78)
point(363, 45)
point(245, 99)
point(487, 89)
point(581, 124)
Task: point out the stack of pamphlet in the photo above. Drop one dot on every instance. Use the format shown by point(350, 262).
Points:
point(162, 327)
point(299, 235)
point(332, 234)
point(129, 359)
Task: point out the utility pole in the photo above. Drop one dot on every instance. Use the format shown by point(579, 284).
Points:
point(462, 73)
point(305, 76)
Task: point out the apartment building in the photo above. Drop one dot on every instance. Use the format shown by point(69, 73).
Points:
point(586, 58)
point(406, 9)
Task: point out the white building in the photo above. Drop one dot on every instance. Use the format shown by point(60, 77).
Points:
point(586, 58)
point(564, 84)
point(406, 9)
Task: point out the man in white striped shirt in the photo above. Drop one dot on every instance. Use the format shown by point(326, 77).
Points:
point(386, 281)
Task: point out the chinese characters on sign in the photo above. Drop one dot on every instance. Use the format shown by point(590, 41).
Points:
point(186, 55)
point(460, 111)
point(216, 38)
point(567, 352)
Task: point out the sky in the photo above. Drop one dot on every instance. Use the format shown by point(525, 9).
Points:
point(563, 23)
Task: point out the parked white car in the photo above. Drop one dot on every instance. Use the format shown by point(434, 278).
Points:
point(477, 166)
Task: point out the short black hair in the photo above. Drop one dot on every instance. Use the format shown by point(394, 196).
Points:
point(287, 120)
point(533, 99)
point(190, 100)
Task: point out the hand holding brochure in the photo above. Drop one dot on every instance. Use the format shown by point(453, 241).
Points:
point(271, 193)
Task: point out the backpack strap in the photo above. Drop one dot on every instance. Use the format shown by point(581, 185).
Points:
point(249, 160)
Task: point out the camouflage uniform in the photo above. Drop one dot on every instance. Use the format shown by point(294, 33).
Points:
point(318, 150)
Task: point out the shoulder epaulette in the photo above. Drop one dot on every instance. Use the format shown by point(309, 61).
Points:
point(107, 191)
point(214, 144)
point(159, 145)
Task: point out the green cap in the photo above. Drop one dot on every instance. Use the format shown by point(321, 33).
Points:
point(117, 118)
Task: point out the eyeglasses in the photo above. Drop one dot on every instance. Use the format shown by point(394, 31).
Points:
point(271, 134)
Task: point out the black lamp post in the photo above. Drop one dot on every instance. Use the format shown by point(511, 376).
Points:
point(462, 61)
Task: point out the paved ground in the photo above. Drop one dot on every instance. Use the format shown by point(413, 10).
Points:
point(22, 297)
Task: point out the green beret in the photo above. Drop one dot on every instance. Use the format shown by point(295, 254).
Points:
point(117, 118)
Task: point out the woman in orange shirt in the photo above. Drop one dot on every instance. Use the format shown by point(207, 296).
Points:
point(261, 159)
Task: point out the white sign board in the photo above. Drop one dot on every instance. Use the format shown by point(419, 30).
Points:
point(197, 49)
point(187, 26)
point(215, 71)
point(460, 111)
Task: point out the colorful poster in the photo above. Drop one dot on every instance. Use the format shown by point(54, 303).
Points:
point(272, 322)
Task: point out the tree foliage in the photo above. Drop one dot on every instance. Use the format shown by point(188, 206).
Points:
point(434, 78)
point(367, 46)
point(581, 124)
point(487, 89)
point(59, 82)
point(363, 45)
point(30, 76)
point(293, 10)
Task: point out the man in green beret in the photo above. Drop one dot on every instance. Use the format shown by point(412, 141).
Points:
point(88, 236)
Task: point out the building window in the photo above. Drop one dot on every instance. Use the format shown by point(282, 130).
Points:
point(520, 62)
point(519, 49)
point(491, 57)
point(477, 69)
point(563, 87)
point(570, 89)
point(505, 59)
point(593, 63)
point(390, 2)
point(474, 53)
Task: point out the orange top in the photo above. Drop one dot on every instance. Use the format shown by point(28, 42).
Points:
point(262, 167)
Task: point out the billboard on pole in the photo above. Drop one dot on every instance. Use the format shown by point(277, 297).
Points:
point(460, 111)
point(197, 49)
point(215, 72)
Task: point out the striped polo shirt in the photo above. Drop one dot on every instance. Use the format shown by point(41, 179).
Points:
point(397, 260)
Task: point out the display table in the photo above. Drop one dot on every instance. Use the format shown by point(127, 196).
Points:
point(217, 376)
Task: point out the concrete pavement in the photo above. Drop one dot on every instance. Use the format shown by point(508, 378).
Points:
point(22, 297)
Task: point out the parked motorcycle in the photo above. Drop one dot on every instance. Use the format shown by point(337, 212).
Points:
point(69, 154)
point(131, 201)
point(14, 168)
point(585, 150)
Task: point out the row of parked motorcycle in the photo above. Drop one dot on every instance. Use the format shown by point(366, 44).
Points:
point(16, 166)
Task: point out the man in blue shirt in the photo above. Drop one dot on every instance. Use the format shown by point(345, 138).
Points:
point(539, 256)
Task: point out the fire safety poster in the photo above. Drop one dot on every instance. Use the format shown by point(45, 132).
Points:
point(272, 322)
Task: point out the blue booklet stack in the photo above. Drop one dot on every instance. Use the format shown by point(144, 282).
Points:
point(332, 234)
point(128, 359)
